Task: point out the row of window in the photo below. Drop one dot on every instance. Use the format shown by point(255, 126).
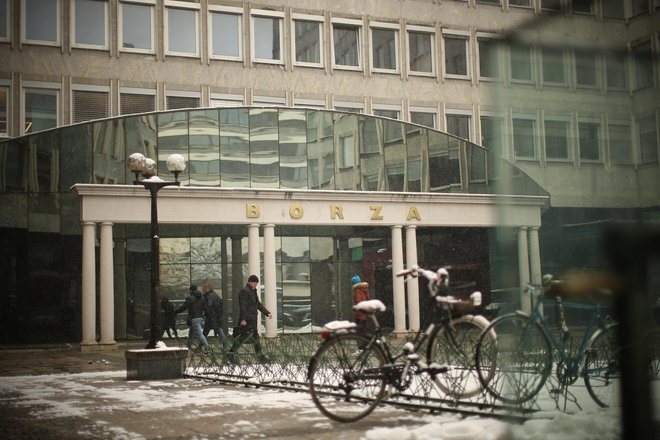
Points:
point(225, 29)
point(602, 8)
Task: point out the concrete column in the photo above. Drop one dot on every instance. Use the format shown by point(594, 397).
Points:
point(254, 262)
point(107, 308)
point(88, 286)
point(412, 283)
point(270, 279)
point(534, 255)
point(523, 269)
point(398, 291)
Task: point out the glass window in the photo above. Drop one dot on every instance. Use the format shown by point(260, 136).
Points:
point(4, 110)
point(639, 7)
point(459, 125)
point(89, 104)
point(384, 43)
point(267, 39)
point(346, 43)
point(583, 6)
point(521, 63)
point(41, 107)
point(556, 139)
point(388, 113)
point(491, 133)
point(524, 138)
point(456, 55)
point(586, 73)
point(234, 147)
point(426, 119)
point(41, 21)
point(523, 3)
point(307, 41)
point(643, 65)
point(613, 8)
point(264, 148)
point(589, 141)
point(137, 27)
point(293, 148)
point(182, 31)
point(553, 66)
point(90, 18)
point(130, 103)
point(180, 101)
point(617, 73)
point(620, 143)
point(489, 58)
point(223, 100)
point(554, 5)
point(420, 52)
point(648, 139)
point(226, 32)
point(4, 20)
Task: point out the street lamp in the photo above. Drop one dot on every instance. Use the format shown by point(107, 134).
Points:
point(138, 164)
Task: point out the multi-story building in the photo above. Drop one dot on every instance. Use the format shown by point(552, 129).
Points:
point(565, 92)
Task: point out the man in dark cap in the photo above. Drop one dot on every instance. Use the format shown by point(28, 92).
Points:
point(248, 301)
point(197, 308)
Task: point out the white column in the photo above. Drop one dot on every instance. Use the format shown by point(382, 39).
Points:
point(88, 285)
point(398, 291)
point(534, 255)
point(270, 279)
point(412, 283)
point(523, 270)
point(254, 261)
point(107, 307)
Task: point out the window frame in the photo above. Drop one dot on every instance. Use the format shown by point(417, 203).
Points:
point(430, 31)
point(226, 10)
point(637, 128)
point(359, 26)
point(306, 17)
point(456, 35)
point(492, 38)
point(268, 101)
point(8, 9)
point(348, 107)
point(535, 137)
point(88, 88)
point(309, 103)
point(607, 57)
point(601, 151)
point(151, 4)
point(137, 91)
point(275, 15)
point(228, 99)
point(182, 94)
point(494, 116)
point(564, 66)
point(598, 68)
point(379, 25)
point(458, 112)
point(53, 88)
point(6, 84)
point(58, 27)
point(621, 122)
point(168, 6)
point(424, 110)
point(569, 139)
point(106, 34)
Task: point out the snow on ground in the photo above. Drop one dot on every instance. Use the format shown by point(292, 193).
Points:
point(61, 395)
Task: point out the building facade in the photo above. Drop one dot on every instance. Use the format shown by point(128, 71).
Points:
point(565, 92)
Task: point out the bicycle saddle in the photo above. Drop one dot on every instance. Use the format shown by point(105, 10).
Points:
point(370, 306)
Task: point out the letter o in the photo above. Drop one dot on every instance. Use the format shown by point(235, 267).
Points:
point(296, 211)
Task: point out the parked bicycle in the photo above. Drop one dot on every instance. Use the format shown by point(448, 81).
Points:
point(352, 372)
point(514, 366)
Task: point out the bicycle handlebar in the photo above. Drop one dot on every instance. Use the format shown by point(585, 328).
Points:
point(438, 279)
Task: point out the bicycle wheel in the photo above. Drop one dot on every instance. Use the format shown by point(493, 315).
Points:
point(345, 380)
point(454, 345)
point(602, 374)
point(515, 363)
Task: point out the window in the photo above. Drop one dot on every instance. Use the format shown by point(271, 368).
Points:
point(226, 100)
point(4, 20)
point(616, 71)
point(133, 101)
point(420, 50)
point(589, 141)
point(489, 67)
point(306, 102)
point(89, 102)
point(648, 139)
point(387, 112)
point(643, 59)
point(456, 55)
point(350, 107)
point(553, 66)
point(89, 18)
point(522, 3)
point(552, 5)
point(620, 143)
point(4, 110)
point(226, 34)
point(307, 41)
point(583, 7)
point(346, 44)
point(268, 101)
point(175, 100)
point(524, 137)
point(640, 7)
point(267, 38)
point(491, 133)
point(40, 107)
point(459, 125)
point(384, 49)
point(586, 72)
point(347, 156)
point(137, 27)
point(181, 35)
point(521, 64)
point(613, 9)
point(41, 21)
point(425, 118)
point(556, 139)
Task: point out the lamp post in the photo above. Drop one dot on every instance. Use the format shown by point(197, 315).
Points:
point(138, 164)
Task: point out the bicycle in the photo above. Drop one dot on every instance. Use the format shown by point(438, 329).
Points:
point(351, 372)
point(514, 366)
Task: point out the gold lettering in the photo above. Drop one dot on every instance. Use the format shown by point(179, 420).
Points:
point(336, 211)
point(376, 212)
point(252, 210)
point(296, 211)
point(414, 214)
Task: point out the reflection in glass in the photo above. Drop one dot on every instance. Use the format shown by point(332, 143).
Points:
point(417, 144)
point(141, 136)
point(293, 149)
point(172, 138)
point(204, 163)
point(206, 249)
point(44, 213)
point(234, 148)
point(395, 155)
point(264, 148)
point(76, 142)
point(439, 177)
point(43, 162)
point(40, 109)
point(109, 152)
point(320, 150)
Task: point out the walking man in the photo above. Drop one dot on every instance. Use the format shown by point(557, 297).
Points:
point(215, 304)
point(196, 307)
point(249, 304)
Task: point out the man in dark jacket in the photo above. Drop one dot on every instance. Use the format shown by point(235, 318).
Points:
point(215, 304)
point(196, 307)
point(249, 303)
